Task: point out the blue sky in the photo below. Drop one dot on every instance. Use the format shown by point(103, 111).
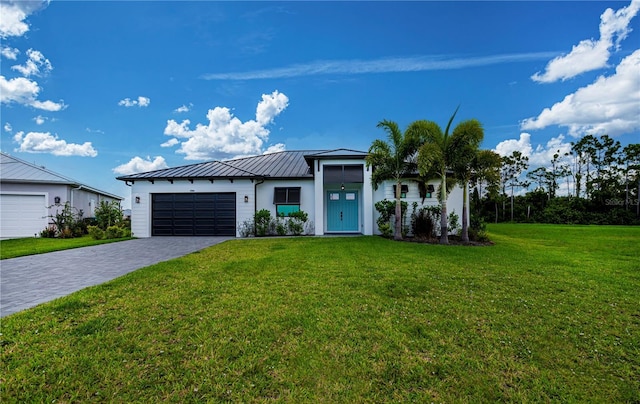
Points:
point(96, 89)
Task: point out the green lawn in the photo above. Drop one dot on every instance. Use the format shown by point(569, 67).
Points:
point(19, 247)
point(549, 313)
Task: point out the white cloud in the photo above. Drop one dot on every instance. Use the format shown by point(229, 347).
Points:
point(225, 135)
point(610, 105)
point(183, 108)
point(140, 102)
point(592, 54)
point(278, 147)
point(170, 143)
point(14, 13)
point(10, 53)
point(8, 127)
point(36, 64)
point(385, 65)
point(45, 142)
point(24, 91)
point(139, 165)
point(523, 145)
point(39, 120)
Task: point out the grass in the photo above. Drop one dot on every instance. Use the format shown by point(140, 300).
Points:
point(20, 247)
point(550, 313)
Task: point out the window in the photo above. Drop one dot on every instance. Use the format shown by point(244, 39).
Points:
point(287, 200)
point(403, 191)
point(286, 195)
point(343, 174)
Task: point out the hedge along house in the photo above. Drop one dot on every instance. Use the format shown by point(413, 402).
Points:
point(31, 194)
point(215, 198)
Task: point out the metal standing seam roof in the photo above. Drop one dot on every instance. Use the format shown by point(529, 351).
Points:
point(15, 170)
point(279, 165)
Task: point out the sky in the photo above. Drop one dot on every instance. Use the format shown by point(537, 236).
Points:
point(97, 89)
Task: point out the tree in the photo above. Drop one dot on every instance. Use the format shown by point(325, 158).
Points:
point(470, 133)
point(438, 154)
point(393, 160)
point(512, 168)
point(631, 156)
point(487, 171)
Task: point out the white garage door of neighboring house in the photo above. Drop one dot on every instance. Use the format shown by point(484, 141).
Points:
point(22, 215)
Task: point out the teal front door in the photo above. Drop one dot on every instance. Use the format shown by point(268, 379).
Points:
point(342, 211)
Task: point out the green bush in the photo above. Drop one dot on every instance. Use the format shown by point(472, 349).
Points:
point(263, 223)
point(296, 222)
point(108, 214)
point(95, 232)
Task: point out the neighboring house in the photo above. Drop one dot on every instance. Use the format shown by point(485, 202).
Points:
point(30, 195)
point(217, 197)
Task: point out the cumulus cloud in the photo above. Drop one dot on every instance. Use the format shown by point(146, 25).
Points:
point(25, 92)
point(7, 127)
point(170, 143)
point(591, 54)
point(36, 64)
point(14, 14)
point(610, 105)
point(10, 53)
point(139, 165)
point(39, 120)
point(523, 145)
point(45, 142)
point(183, 108)
point(225, 135)
point(140, 102)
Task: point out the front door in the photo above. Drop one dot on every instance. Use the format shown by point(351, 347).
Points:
point(342, 211)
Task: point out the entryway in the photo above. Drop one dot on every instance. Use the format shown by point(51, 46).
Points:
point(342, 211)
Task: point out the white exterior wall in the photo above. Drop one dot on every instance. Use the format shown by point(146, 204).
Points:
point(385, 191)
point(266, 191)
point(141, 212)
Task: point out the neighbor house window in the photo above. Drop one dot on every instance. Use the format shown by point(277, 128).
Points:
point(403, 191)
point(287, 200)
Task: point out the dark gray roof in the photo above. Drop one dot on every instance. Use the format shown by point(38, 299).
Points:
point(280, 165)
point(15, 170)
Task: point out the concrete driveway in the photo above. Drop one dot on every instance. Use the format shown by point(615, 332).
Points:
point(28, 281)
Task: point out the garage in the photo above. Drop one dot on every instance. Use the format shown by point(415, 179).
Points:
point(22, 215)
point(193, 214)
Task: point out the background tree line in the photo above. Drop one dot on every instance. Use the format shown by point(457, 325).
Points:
point(597, 182)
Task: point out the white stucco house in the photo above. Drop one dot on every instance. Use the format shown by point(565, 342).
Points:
point(30, 194)
point(215, 198)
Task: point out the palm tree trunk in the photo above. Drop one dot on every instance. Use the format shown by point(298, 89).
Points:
point(465, 197)
point(444, 234)
point(398, 232)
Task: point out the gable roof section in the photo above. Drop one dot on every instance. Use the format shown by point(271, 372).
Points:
point(279, 165)
point(15, 170)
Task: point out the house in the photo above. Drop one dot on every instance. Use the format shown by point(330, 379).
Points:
point(30, 195)
point(215, 198)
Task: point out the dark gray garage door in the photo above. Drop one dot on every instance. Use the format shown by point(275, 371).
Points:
point(194, 214)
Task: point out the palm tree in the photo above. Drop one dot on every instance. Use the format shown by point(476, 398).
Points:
point(439, 152)
point(469, 134)
point(393, 160)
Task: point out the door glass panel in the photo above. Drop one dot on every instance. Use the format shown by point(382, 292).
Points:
point(334, 196)
point(351, 196)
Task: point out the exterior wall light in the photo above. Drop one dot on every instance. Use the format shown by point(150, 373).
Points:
point(56, 200)
point(137, 199)
point(246, 199)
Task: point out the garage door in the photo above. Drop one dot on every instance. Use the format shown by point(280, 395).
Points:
point(22, 215)
point(193, 214)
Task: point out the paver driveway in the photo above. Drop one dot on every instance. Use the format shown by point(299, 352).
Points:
point(28, 281)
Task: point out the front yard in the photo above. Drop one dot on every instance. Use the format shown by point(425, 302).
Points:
point(549, 313)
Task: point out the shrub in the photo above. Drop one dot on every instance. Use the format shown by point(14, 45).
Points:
point(114, 232)
point(263, 223)
point(423, 221)
point(95, 232)
point(297, 221)
point(281, 226)
point(387, 209)
point(48, 232)
point(247, 228)
point(108, 214)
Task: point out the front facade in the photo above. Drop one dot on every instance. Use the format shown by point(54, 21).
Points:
point(215, 198)
point(30, 195)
